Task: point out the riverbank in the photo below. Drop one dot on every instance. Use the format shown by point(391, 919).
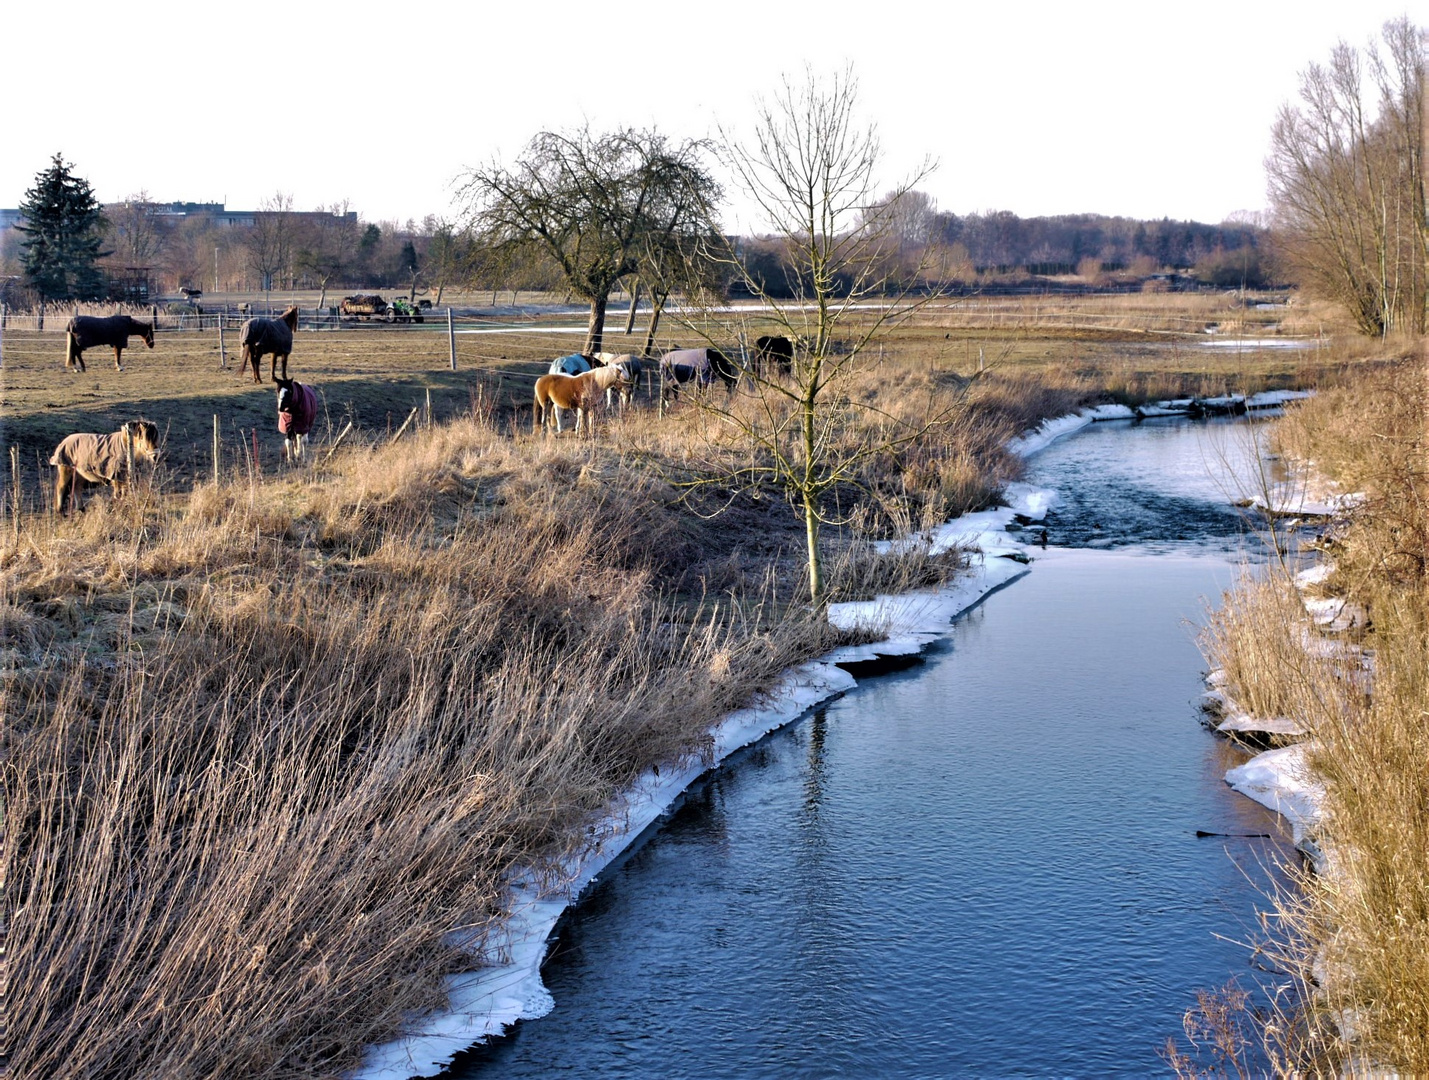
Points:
point(1341, 654)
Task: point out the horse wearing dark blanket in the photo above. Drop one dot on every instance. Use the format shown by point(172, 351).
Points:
point(297, 409)
point(273, 336)
point(699, 366)
point(86, 331)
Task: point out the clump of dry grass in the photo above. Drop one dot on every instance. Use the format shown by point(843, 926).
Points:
point(1357, 938)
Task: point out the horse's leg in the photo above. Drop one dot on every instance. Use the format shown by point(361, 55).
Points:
point(64, 480)
point(118, 351)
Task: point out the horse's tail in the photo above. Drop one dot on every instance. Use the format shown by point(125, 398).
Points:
point(536, 413)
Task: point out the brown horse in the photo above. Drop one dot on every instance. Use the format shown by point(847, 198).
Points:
point(101, 459)
point(578, 392)
point(273, 336)
point(86, 331)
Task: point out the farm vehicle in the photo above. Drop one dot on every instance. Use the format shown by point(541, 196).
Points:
point(373, 308)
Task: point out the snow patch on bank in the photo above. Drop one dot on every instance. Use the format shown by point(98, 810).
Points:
point(1281, 780)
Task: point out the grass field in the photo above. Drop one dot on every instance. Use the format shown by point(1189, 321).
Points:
point(1115, 347)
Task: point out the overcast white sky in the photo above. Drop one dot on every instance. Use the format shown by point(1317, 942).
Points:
point(1142, 108)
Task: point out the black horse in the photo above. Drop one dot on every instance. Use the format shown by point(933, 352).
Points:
point(773, 353)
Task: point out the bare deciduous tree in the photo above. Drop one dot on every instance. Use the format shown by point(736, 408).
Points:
point(270, 243)
point(811, 169)
point(135, 231)
point(591, 203)
point(1347, 181)
point(327, 245)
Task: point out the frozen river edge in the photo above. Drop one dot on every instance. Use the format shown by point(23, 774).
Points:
point(485, 1002)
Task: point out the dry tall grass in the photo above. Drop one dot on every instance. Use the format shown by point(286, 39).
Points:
point(1357, 938)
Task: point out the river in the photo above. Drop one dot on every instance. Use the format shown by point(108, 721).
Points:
point(986, 865)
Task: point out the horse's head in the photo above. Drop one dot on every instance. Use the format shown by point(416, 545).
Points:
point(285, 394)
point(143, 439)
point(146, 331)
point(290, 317)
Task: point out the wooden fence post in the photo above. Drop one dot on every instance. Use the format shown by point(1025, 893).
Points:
point(451, 338)
point(222, 352)
point(15, 480)
point(215, 449)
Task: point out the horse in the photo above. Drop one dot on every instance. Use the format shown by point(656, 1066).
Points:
point(700, 366)
point(573, 364)
point(579, 392)
point(633, 369)
point(86, 331)
point(101, 459)
point(297, 409)
point(775, 353)
point(273, 336)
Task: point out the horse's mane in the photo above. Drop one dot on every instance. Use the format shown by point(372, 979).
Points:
point(290, 317)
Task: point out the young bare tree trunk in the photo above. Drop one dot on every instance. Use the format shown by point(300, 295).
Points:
point(657, 300)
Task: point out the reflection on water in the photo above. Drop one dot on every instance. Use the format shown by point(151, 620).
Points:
point(985, 866)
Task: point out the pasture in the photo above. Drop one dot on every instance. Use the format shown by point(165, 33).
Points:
point(1126, 348)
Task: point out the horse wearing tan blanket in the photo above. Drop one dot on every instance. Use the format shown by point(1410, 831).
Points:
point(101, 459)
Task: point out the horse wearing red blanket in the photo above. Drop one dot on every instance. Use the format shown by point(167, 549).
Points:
point(297, 409)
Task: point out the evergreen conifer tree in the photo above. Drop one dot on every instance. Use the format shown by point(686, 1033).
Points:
point(65, 224)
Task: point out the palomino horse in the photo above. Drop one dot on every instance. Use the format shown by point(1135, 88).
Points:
point(578, 392)
point(86, 331)
point(101, 459)
point(273, 336)
point(297, 409)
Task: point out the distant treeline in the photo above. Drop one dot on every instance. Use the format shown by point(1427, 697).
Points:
point(1003, 242)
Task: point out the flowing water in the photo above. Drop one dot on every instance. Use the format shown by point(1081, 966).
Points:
point(986, 865)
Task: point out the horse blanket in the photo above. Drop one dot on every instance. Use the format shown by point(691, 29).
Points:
point(573, 364)
point(92, 330)
point(266, 336)
point(302, 410)
point(100, 459)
